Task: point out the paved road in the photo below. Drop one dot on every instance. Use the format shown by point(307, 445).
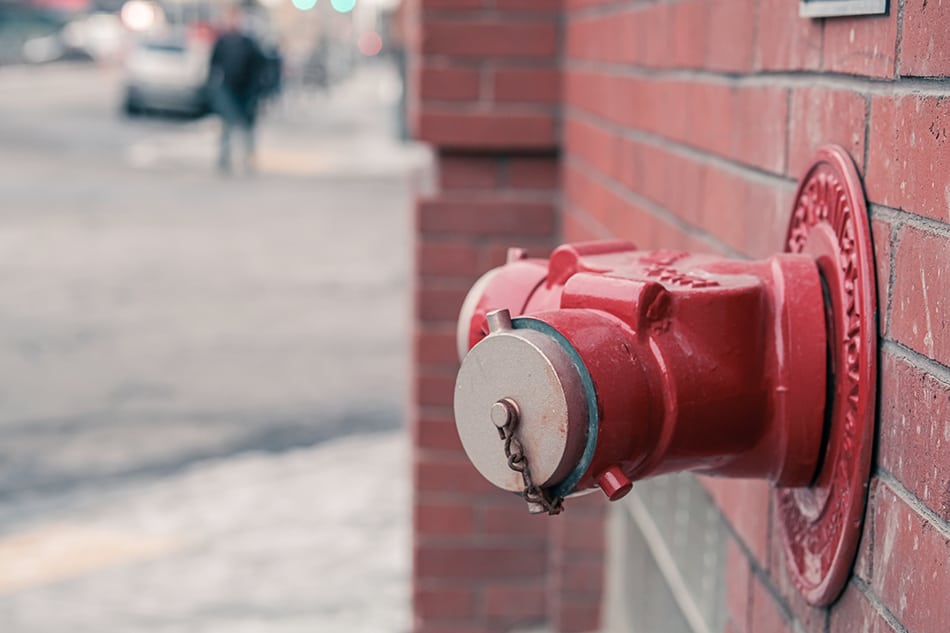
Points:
point(170, 337)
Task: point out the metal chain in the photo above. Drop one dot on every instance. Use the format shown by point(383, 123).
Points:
point(539, 500)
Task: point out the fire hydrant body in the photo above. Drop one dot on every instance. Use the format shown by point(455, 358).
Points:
point(625, 364)
point(605, 365)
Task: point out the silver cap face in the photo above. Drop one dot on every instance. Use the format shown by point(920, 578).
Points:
point(530, 373)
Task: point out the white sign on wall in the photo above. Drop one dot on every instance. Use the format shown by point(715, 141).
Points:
point(831, 8)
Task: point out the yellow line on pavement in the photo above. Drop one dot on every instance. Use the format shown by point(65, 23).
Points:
point(292, 163)
point(50, 553)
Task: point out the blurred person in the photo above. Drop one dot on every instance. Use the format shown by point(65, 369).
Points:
point(234, 83)
point(398, 49)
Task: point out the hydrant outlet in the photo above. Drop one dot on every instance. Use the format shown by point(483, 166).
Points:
point(521, 375)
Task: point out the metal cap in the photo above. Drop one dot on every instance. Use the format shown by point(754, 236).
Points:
point(528, 374)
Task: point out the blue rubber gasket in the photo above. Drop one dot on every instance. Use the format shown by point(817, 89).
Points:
point(566, 487)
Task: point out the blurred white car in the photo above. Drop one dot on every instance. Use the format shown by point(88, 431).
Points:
point(167, 74)
point(100, 35)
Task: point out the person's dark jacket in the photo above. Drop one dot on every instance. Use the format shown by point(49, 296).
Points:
point(237, 63)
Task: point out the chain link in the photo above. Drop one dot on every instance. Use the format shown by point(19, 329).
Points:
point(534, 495)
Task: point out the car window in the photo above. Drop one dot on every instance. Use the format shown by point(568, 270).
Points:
point(164, 47)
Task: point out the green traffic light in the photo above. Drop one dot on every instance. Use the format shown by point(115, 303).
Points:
point(343, 6)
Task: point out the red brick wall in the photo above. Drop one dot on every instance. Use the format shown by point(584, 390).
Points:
point(480, 560)
point(681, 124)
point(686, 124)
point(485, 92)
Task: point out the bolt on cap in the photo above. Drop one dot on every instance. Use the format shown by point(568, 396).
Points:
point(504, 412)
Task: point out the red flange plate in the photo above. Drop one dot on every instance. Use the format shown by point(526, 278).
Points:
point(821, 524)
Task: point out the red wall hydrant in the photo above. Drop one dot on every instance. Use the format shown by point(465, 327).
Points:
point(604, 365)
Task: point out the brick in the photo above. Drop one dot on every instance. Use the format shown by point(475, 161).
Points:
point(489, 38)
point(920, 314)
point(665, 107)
point(767, 615)
point(530, 85)
point(653, 28)
point(760, 145)
point(479, 562)
point(738, 587)
point(439, 303)
point(589, 40)
point(785, 41)
point(630, 33)
point(578, 40)
point(456, 476)
point(581, 4)
point(489, 218)
point(452, 626)
point(689, 34)
point(435, 388)
point(586, 91)
point(577, 88)
point(468, 172)
point(865, 45)
point(443, 519)
point(436, 346)
point(437, 433)
point(745, 504)
point(592, 194)
point(819, 117)
point(447, 258)
point(509, 517)
point(594, 144)
point(576, 618)
point(854, 613)
point(513, 601)
point(909, 154)
point(650, 231)
point(450, 4)
point(670, 179)
point(592, 505)
point(583, 577)
point(584, 533)
point(544, 6)
point(534, 173)
point(730, 29)
point(495, 253)
point(597, 37)
point(911, 565)
point(449, 84)
point(443, 602)
point(576, 572)
point(915, 431)
point(683, 111)
point(578, 228)
point(925, 47)
point(748, 215)
point(611, 216)
point(493, 130)
point(881, 235)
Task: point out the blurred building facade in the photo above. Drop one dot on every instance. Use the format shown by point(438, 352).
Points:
point(677, 124)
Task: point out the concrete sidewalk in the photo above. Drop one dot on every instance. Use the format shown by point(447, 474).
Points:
point(203, 377)
point(309, 540)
